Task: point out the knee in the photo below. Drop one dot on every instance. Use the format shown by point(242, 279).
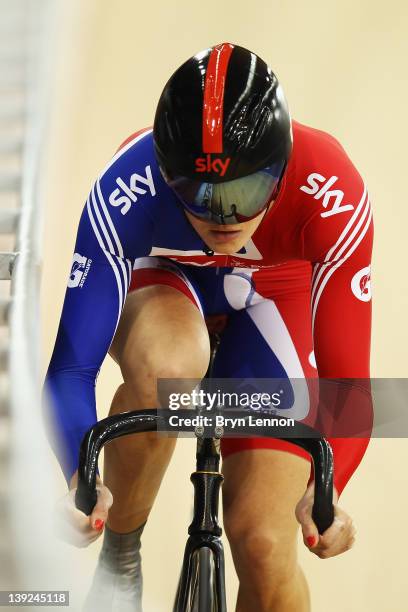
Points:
point(154, 361)
point(131, 446)
point(261, 551)
point(178, 364)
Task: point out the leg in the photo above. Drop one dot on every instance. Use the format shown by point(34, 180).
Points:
point(161, 335)
point(262, 529)
point(265, 478)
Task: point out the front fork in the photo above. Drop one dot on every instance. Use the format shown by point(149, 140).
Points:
point(204, 530)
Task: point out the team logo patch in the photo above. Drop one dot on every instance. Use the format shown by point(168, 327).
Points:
point(361, 284)
point(79, 270)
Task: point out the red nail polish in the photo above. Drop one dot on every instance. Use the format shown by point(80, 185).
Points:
point(310, 541)
point(99, 523)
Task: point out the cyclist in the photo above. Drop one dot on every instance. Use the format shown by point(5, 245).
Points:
point(226, 206)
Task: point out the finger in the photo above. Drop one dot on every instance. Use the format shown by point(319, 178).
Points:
point(309, 527)
point(103, 503)
point(70, 533)
point(339, 530)
point(100, 512)
point(333, 551)
point(66, 509)
point(340, 542)
point(310, 535)
point(73, 526)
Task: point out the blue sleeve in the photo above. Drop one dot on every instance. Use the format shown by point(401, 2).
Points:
point(105, 248)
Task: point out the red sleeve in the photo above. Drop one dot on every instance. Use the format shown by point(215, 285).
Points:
point(338, 240)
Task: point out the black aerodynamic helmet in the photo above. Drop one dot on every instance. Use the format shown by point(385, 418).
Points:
point(222, 134)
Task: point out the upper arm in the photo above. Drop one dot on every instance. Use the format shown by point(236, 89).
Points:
point(339, 243)
point(98, 282)
point(96, 289)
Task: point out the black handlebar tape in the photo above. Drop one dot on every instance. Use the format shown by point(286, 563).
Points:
point(146, 420)
point(101, 433)
point(322, 516)
point(85, 498)
point(322, 456)
point(323, 510)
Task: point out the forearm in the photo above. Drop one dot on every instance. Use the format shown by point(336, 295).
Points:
point(69, 409)
point(347, 455)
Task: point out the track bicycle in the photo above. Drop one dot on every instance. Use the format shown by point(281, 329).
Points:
point(201, 586)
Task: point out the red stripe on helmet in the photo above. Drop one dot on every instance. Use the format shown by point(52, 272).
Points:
point(214, 89)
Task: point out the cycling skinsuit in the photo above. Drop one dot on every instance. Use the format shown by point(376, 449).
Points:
point(298, 295)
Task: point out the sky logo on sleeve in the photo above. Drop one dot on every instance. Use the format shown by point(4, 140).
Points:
point(126, 195)
point(318, 186)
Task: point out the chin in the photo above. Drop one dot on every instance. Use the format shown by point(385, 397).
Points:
point(225, 249)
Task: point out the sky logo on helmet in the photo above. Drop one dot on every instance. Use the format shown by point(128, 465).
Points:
point(125, 195)
point(217, 165)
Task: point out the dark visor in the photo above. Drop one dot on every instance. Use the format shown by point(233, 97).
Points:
point(230, 202)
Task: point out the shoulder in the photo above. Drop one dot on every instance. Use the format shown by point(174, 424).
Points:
point(322, 172)
point(132, 175)
point(125, 195)
point(134, 138)
point(314, 148)
point(134, 150)
point(331, 194)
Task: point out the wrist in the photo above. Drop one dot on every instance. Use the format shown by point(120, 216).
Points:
point(73, 483)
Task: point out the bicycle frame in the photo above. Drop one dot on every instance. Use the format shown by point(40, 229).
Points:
point(204, 531)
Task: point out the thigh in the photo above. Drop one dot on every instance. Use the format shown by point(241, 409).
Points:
point(161, 330)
